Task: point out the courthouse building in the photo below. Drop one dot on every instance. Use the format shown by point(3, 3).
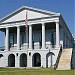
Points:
point(33, 38)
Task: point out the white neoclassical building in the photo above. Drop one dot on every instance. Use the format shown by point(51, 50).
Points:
point(33, 38)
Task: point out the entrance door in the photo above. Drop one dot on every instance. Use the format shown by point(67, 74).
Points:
point(23, 60)
point(36, 60)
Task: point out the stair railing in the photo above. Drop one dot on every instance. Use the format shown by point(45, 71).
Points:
point(58, 58)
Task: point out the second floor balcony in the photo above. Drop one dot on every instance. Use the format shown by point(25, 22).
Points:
point(35, 46)
point(25, 46)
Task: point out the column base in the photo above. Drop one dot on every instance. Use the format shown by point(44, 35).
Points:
point(6, 50)
point(43, 48)
point(30, 49)
point(19, 49)
point(57, 47)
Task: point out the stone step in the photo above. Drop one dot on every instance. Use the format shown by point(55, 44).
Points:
point(65, 59)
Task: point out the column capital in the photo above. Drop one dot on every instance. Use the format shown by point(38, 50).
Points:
point(57, 21)
point(18, 26)
point(30, 25)
point(7, 27)
point(43, 23)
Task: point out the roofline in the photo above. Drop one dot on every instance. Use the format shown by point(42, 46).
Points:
point(30, 8)
point(66, 25)
point(40, 10)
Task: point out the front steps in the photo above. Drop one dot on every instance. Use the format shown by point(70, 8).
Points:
point(65, 59)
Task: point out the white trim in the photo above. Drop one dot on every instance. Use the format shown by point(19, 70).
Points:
point(30, 22)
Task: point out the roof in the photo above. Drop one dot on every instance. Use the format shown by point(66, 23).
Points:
point(28, 8)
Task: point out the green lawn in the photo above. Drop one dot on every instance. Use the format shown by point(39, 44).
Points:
point(40, 71)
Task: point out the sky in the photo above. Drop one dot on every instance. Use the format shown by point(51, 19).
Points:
point(65, 7)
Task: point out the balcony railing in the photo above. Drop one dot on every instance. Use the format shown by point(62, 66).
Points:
point(13, 48)
point(50, 46)
point(2, 48)
point(34, 46)
point(24, 46)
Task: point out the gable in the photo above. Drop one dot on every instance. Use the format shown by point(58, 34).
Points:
point(20, 15)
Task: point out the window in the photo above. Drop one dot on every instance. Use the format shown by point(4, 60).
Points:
point(40, 39)
point(12, 40)
point(52, 39)
point(33, 41)
point(22, 38)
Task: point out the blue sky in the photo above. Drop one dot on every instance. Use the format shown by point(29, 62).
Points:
point(65, 7)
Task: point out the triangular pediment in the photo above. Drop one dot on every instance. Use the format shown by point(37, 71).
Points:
point(32, 13)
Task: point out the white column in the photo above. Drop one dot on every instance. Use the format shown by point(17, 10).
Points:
point(7, 39)
point(43, 35)
point(57, 35)
point(30, 36)
point(18, 37)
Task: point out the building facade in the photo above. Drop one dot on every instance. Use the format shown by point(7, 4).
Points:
point(33, 38)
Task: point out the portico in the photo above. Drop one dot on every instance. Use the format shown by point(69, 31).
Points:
point(30, 36)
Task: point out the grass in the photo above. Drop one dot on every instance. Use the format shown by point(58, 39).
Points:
point(39, 71)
